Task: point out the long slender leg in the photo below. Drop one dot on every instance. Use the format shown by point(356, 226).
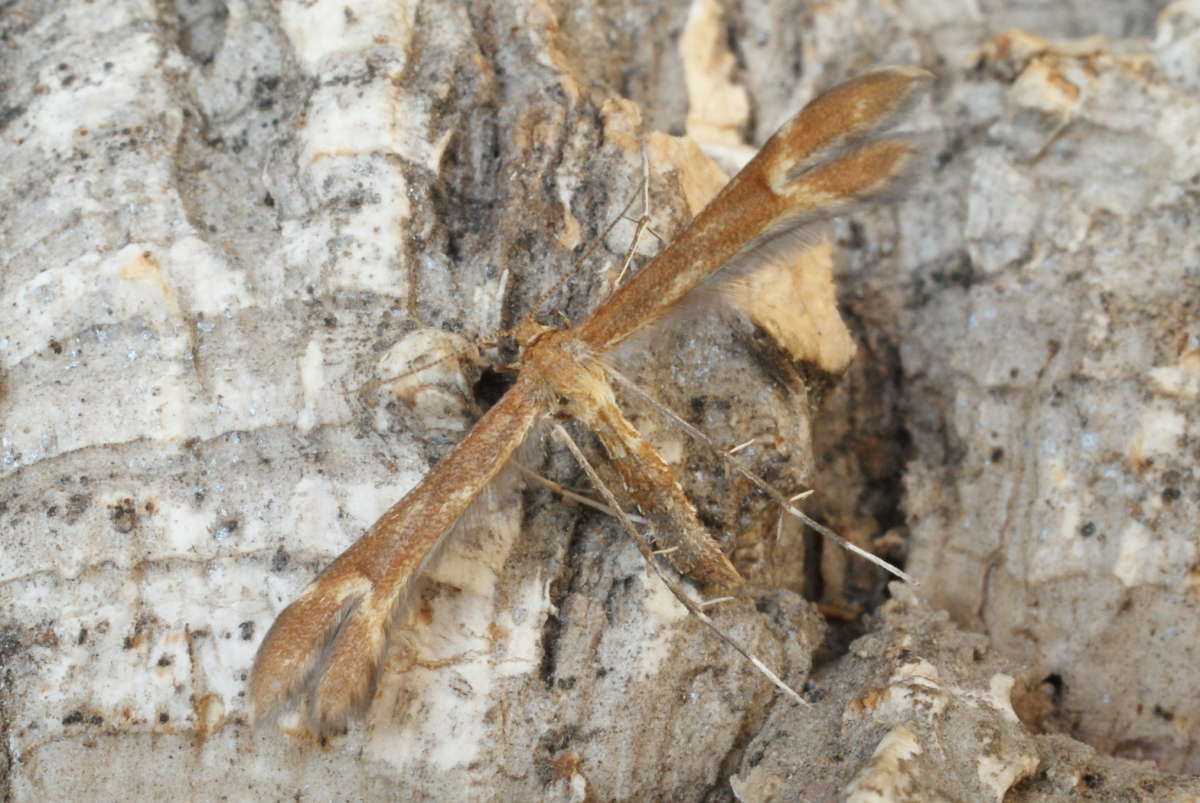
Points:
point(764, 486)
point(693, 607)
point(654, 488)
point(567, 493)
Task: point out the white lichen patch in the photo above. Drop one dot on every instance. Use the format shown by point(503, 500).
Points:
point(1148, 557)
point(325, 29)
point(1180, 381)
point(913, 690)
point(137, 650)
point(661, 611)
point(313, 518)
point(95, 105)
point(203, 279)
point(999, 697)
point(520, 625)
point(997, 231)
point(999, 776)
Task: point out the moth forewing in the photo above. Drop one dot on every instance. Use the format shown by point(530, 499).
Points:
point(829, 158)
point(845, 115)
point(329, 641)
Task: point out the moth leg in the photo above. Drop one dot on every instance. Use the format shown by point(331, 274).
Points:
point(662, 500)
point(692, 606)
point(770, 490)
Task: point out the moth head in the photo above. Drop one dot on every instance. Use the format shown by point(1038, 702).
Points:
point(528, 332)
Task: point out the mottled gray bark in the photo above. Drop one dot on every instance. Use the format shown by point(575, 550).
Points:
point(222, 218)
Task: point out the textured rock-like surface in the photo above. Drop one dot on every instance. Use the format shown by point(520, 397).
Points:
point(223, 217)
point(911, 706)
point(1040, 342)
point(919, 710)
point(1052, 370)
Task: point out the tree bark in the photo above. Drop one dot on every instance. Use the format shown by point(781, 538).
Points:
point(225, 220)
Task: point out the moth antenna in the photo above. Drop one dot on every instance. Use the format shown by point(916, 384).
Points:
point(595, 243)
point(457, 354)
point(643, 223)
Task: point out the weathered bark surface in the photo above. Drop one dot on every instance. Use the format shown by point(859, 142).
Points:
point(221, 218)
point(1052, 378)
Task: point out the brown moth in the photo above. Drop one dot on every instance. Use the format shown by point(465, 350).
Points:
point(831, 157)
